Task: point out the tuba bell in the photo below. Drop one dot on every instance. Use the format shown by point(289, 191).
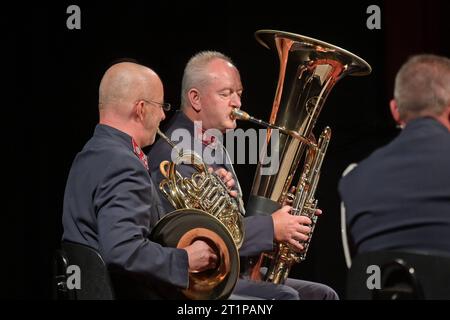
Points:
point(308, 70)
point(205, 211)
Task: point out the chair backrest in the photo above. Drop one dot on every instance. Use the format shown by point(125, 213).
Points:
point(76, 260)
point(346, 245)
point(391, 275)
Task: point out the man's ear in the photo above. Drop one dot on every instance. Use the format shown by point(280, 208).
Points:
point(140, 110)
point(446, 118)
point(194, 99)
point(395, 113)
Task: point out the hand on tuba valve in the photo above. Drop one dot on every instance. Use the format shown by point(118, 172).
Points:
point(292, 229)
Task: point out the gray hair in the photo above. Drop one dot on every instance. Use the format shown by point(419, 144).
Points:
point(195, 74)
point(422, 86)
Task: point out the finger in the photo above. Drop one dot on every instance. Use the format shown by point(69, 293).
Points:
point(210, 170)
point(318, 212)
point(299, 236)
point(304, 230)
point(201, 244)
point(221, 172)
point(304, 220)
point(227, 177)
point(233, 193)
point(213, 258)
point(230, 183)
point(296, 245)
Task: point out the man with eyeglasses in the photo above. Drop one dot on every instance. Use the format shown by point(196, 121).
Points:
point(164, 105)
point(110, 202)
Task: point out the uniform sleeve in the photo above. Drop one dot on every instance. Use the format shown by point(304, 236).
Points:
point(126, 210)
point(258, 235)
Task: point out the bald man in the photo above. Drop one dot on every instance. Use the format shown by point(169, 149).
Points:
point(110, 202)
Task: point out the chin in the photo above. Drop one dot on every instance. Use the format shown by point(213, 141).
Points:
point(151, 140)
point(230, 125)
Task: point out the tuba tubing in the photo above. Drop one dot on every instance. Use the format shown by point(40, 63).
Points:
point(308, 70)
point(303, 203)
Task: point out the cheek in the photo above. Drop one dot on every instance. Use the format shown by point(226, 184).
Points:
point(227, 113)
point(223, 116)
point(151, 121)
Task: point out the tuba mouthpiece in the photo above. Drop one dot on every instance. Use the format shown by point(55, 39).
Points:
point(239, 114)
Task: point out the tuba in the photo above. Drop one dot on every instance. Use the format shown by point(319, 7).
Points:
point(309, 69)
point(205, 211)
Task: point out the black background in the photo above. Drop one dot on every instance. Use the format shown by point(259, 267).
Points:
point(52, 76)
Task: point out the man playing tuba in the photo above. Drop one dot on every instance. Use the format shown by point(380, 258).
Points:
point(211, 89)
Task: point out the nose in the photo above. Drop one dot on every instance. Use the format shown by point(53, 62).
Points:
point(236, 101)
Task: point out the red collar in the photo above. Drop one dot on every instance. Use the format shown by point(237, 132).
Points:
point(138, 151)
point(208, 140)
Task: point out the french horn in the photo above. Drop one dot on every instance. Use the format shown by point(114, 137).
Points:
point(205, 211)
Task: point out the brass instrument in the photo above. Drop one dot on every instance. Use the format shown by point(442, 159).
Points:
point(309, 69)
point(205, 211)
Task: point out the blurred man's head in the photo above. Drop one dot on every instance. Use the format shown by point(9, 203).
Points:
point(422, 88)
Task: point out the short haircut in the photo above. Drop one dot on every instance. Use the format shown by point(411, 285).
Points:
point(194, 72)
point(422, 86)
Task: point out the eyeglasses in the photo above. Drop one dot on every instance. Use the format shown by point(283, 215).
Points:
point(165, 105)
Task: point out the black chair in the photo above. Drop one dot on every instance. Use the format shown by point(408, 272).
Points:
point(403, 275)
point(95, 282)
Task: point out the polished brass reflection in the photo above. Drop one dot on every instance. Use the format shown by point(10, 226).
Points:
point(308, 70)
